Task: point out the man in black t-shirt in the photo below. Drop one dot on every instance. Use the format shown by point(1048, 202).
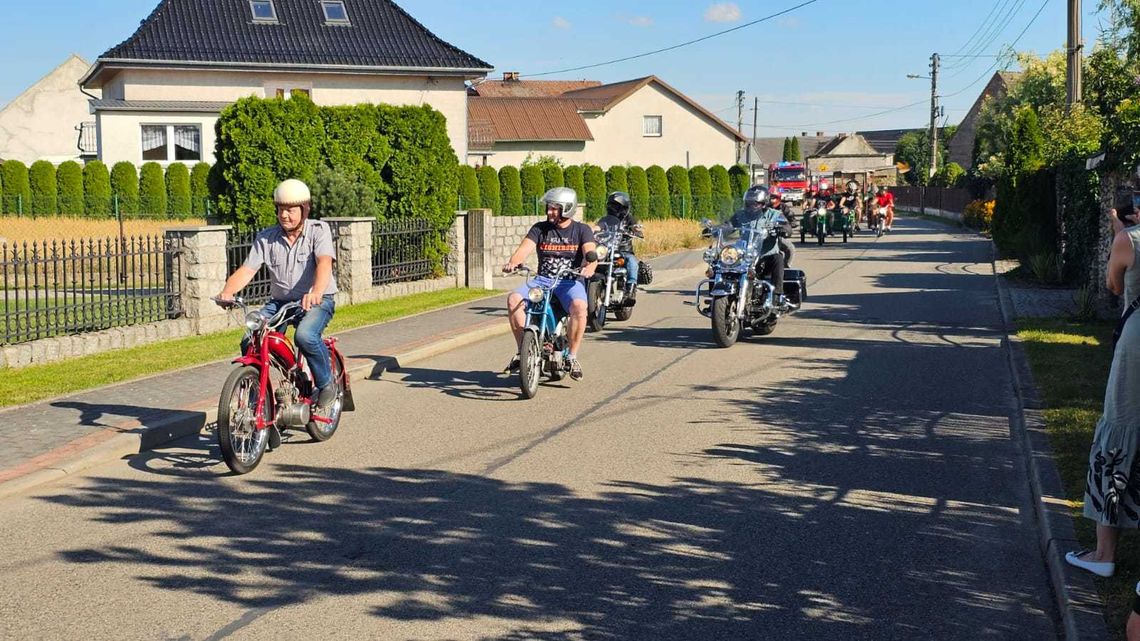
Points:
point(562, 243)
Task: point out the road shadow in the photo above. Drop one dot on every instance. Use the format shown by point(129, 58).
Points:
point(473, 385)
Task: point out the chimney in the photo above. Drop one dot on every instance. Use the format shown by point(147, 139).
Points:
point(803, 134)
point(819, 134)
point(510, 76)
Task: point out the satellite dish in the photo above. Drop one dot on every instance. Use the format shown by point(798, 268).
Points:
point(902, 167)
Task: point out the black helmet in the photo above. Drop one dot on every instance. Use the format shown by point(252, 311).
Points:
point(756, 196)
point(617, 204)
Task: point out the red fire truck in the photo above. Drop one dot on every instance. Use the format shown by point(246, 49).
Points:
point(789, 179)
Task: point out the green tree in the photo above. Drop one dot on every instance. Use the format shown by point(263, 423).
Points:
point(490, 194)
point(125, 187)
point(69, 177)
point(680, 190)
point(553, 176)
point(638, 192)
point(96, 190)
point(794, 153)
point(44, 191)
point(199, 189)
point(152, 190)
point(17, 189)
point(338, 195)
point(595, 184)
point(740, 179)
point(659, 201)
point(617, 179)
point(700, 181)
point(470, 196)
point(721, 190)
point(913, 148)
point(533, 187)
point(949, 175)
point(511, 187)
point(178, 190)
point(787, 149)
point(575, 179)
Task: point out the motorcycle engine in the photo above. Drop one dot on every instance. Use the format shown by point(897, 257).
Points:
point(291, 413)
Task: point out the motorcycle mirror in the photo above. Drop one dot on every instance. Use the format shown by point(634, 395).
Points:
point(591, 257)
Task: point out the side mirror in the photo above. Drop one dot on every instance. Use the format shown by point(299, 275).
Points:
point(591, 256)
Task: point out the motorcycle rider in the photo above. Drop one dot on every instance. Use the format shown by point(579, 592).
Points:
point(777, 202)
point(561, 242)
point(884, 198)
point(619, 216)
point(756, 207)
point(300, 254)
point(849, 200)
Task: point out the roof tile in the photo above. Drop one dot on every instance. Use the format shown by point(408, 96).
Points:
point(500, 119)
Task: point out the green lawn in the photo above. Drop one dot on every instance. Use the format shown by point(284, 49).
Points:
point(38, 382)
point(1070, 362)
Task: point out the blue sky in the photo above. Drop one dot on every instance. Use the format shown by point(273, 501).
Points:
point(837, 60)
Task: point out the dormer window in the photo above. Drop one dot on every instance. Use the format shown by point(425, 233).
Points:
point(263, 10)
point(335, 12)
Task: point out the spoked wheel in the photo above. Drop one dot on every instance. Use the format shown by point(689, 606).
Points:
point(324, 431)
point(596, 314)
point(725, 324)
point(242, 443)
point(530, 364)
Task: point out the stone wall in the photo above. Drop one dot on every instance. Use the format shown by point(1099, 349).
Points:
point(506, 234)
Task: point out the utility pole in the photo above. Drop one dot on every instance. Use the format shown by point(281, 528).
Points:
point(739, 121)
point(1073, 78)
point(934, 63)
point(751, 143)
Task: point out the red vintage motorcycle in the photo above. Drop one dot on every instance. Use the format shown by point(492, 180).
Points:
point(272, 390)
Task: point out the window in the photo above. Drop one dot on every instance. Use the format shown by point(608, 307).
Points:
point(335, 12)
point(651, 126)
point(263, 10)
point(157, 139)
point(283, 92)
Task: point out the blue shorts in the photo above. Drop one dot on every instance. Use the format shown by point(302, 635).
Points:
point(566, 291)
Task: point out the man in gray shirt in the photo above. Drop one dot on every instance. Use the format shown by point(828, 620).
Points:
point(300, 255)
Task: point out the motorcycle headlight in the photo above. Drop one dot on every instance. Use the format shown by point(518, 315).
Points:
point(535, 295)
point(730, 255)
point(602, 252)
point(254, 321)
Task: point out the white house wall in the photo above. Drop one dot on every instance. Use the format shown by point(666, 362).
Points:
point(120, 134)
point(40, 124)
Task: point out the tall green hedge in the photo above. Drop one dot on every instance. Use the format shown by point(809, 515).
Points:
point(178, 202)
point(199, 189)
point(617, 179)
point(740, 180)
point(553, 176)
point(490, 193)
point(659, 205)
point(470, 197)
point(510, 188)
point(125, 186)
point(45, 199)
point(721, 190)
point(680, 190)
point(594, 180)
point(69, 180)
point(337, 194)
point(17, 190)
point(638, 192)
point(96, 190)
point(533, 186)
point(700, 182)
point(575, 179)
point(152, 190)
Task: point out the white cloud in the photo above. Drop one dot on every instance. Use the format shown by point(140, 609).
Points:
point(723, 12)
point(640, 21)
point(561, 23)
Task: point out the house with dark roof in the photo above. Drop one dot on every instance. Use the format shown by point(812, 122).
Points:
point(643, 121)
point(162, 89)
point(851, 156)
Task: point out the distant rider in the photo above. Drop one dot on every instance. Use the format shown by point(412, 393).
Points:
point(562, 242)
point(886, 199)
point(849, 200)
point(756, 207)
point(618, 216)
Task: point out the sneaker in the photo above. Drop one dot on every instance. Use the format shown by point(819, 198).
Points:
point(327, 396)
point(1099, 568)
point(513, 366)
point(575, 369)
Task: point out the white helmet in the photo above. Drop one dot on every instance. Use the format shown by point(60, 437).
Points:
point(291, 192)
point(565, 198)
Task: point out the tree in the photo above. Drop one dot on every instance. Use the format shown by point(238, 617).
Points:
point(125, 187)
point(511, 191)
point(470, 196)
point(69, 178)
point(913, 148)
point(152, 190)
point(595, 184)
point(659, 205)
point(199, 189)
point(721, 190)
point(700, 181)
point(794, 154)
point(17, 189)
point(97, 190)
point(338, 195)
point(575, 179)
point(490, 193)
point(680, 190)
point(740, 179)
point(949, 175)
point(44, 190)
point(533, 187)
point(553, 176)
point(617, 179)
point(638, 192)
point(787, 151)
point(178, 190)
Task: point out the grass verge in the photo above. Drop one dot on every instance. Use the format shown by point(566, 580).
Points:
point(30, 384)
point(1070, 362)
point(665, 236)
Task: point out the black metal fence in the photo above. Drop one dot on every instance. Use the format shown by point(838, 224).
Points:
point(400, 251)
point(943, 198)
point(54, 288)
point(238, 246)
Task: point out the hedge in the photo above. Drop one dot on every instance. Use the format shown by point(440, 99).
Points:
point(199, 190)
point(96, 190)
point(680, 190)
point(575, 179)
point(659, 206)
point(533, 187)
point(178, 190)
point(69, 182)
point(17, 191)
point(490, 193)
point(469, 193)
point(125, 186)
point(510, 189)
point(721, 190)
point(700, 182)
point(594, 180)
point(740, 180)
point(617, 179)
point(337, 194)
point(152, 190)
point(553, 176)
point(638, 192)
point(45, 200)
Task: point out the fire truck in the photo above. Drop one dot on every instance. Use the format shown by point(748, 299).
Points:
point(789, 179)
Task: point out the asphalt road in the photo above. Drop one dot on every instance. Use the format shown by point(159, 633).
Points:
point(850, 476)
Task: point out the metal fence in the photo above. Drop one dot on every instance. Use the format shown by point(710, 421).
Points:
point(54, 288)
point(400, 251)
point(238, 246)
point(943, 198)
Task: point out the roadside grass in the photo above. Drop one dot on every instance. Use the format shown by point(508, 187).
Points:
point(1070, 362)
point(35, 383)
point(665, 236)
point(18, 229)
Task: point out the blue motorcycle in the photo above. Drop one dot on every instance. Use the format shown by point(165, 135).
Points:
point(545, 346)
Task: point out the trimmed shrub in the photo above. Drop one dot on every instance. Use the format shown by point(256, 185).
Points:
point(533, 187)
point(17, 190)
point(152, 190)
point(490, 193)
point(701, 184)
point(199, 189)
point(44, 190)
point(680, 190)
point(553, 176)
point(575, 179)
point(740, 180)
point(510, 188)
point(638, 192)
point(178, 190)
point(69, 180)
point(617, 179)
point(595, 186)
point(659, 204)
point(469, 193)
point(336, 194)
point(125, 186)
point(97, 190)
point(721, 190)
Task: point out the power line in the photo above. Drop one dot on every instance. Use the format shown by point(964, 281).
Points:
point(1009, 46)
point(988, 39)
point(978, 31)
point(676, 46)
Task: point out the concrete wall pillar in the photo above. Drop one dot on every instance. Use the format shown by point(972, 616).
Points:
point(354, 259)
point(201, 272)
point(479, 242)
point(457, 244)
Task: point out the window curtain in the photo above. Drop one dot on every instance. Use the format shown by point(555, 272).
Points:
point(188, 139)
point(153, 138)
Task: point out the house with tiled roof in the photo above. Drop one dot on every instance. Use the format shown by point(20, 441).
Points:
point(163, 88)
point(639, 122)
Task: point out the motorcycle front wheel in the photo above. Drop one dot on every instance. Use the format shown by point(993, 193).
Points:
point(530, 364)
point(242, 444)
point(596, 312)
point(820, 235)
point(624, 312)
point(725, 324)
point(319, 431)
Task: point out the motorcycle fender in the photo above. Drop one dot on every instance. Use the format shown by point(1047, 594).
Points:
point(347, 404)
point(247, 360)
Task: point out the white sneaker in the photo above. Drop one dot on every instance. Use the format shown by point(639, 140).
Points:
point(1099, 568)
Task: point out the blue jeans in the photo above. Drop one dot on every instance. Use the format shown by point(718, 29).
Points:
point(310, 326)
point(631, 266)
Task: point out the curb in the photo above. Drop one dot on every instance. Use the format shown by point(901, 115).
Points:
point(192, 420)
point(1074, 592)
